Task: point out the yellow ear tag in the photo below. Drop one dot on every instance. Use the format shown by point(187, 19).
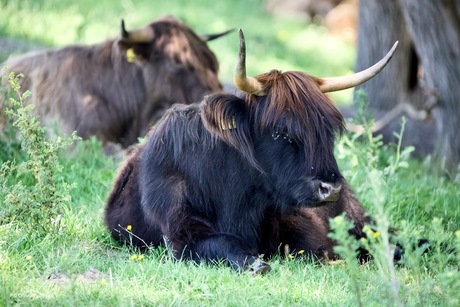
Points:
point(231, 124)
point(130, 55)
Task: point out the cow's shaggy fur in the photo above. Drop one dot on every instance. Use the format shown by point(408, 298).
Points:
point(235, 177)
point(95, 90)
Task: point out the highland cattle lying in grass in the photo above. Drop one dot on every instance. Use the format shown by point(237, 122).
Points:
point(235, 177)
point(117, 89)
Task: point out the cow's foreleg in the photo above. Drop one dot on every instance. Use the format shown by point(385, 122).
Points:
point(222, 247)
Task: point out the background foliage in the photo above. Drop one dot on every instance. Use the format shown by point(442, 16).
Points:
point(77, 263)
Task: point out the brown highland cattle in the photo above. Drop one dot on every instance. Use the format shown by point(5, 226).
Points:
point(117, 89)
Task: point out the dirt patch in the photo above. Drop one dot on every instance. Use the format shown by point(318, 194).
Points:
point(90, 276)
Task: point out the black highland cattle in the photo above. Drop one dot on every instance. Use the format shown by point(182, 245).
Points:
point(235, 177)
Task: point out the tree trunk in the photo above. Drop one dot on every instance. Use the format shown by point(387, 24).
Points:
point(424, 73)
point(435, 28)
point(380, 25)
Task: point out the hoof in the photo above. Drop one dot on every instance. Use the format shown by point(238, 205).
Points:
point(259, 268)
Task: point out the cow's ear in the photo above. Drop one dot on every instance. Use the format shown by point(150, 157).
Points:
point(224, 112)
point(133, 52)
point(226, 117)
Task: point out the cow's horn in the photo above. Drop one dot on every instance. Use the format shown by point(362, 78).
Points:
point(341, 83)
point(142, 35)
point(210, 37)
point(246, 84)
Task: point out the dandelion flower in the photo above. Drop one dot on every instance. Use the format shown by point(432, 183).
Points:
point(141, 257)
point(291, 256)
point(301, 252)
point(133, 257)
point(376, 234)
point(129, 227)
point(29, 257)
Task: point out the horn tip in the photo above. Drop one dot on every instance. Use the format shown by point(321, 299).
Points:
point(393, 49)
point(242, 41)
point(124, 33)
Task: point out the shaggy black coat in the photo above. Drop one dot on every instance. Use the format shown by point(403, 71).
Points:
point(235, 177)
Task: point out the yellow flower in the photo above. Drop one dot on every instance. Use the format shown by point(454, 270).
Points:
point(29, 257)
point(369, 232)
point(141, 257)
point(129, 227)
point(376, 234)
point(291, 256)
point(133, 257)
point(301, 252)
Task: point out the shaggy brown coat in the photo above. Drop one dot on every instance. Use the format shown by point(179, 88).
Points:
point(98, 90)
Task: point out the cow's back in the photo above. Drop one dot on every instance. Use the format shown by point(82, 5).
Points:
point(87, 89)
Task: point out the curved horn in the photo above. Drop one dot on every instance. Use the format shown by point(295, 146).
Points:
point(341, 83)
point(246, 84)
point(142, 35)
point(210, 37)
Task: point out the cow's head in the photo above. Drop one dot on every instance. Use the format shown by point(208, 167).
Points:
point(285, 125)
point(173, 58)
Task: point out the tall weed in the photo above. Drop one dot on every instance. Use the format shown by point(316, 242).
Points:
point(377, 180)
point(32, 190)
point(376, 170)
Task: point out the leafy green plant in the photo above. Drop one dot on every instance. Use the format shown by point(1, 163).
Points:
point(379, 176)
point(32, 190)
point(388, 183)
point(347, 248)
point(10, 147)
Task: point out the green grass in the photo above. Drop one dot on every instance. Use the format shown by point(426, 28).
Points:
point(80, 265)
point(52, 271)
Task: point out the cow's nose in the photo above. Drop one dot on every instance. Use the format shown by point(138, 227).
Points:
point(328, 191)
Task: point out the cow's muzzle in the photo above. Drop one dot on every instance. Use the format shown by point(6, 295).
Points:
point(329, 191)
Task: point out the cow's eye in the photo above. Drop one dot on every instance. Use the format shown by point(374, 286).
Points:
point(276, 135)
point(287, 137)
